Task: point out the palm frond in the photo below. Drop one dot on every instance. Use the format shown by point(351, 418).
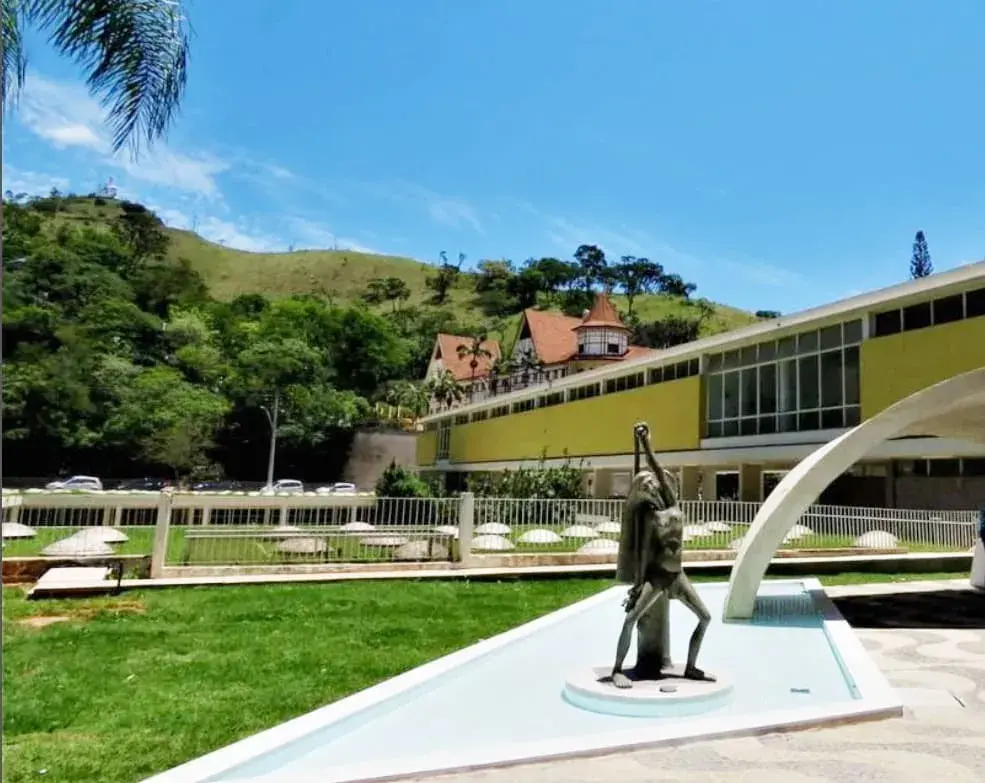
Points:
point(134, 54)
point(14, 56)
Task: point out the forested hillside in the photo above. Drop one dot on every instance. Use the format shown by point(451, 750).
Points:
point(132, 349)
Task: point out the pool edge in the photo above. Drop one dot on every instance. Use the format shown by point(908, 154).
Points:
point(877, 700)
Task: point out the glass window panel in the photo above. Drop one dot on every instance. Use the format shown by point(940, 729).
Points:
point(974, 303)
point(670, 372)
point(832, 419)
point(788, 422)
point(657, 375)
point(889, 322)
point(916, 316)
point(767, 388)
point(714, 429)
point(808, 386)
point(767, 351)
point(681, 370)
point(807, 422)
point(714, 396)
point(714, 362)
point(853, 331)
point(851, 376)
point(831, 379)
point(948, 309)
point(731, 400)
point(787, 386)
point(767, 425)
point(731, 360)
point(945, 468)
point(747, 356)
point(830, 337)
point(747, 426)
point(693, 367)
point(852, 416)
point(787, 347)
point(750, 392)
point(730, 428)
point(806, 342)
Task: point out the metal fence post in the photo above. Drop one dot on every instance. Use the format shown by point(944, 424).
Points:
point(466, 524)
point(162, 528)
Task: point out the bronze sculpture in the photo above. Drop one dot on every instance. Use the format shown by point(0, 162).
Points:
point(650, 561)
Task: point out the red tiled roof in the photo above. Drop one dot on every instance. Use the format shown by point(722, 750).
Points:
point(603, 313)
point(552, 335)
point(460, 366)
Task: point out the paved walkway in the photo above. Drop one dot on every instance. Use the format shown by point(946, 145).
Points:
point(937, 660)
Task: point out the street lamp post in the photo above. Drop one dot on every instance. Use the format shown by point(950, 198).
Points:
point(272, 420)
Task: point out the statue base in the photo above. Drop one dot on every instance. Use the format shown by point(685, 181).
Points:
point(672, 695)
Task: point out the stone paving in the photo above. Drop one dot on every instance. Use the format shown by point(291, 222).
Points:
point(933, 651)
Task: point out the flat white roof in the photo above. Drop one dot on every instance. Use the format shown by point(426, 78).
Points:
point(843, 309)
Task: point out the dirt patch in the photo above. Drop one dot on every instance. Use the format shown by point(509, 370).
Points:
point(41, 622)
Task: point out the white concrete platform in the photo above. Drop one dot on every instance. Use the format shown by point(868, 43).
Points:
point(67, 581)
point(673, 695)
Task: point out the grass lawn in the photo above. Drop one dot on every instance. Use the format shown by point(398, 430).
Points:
point(120, 688)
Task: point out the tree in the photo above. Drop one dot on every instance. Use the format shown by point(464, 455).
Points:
point(674, 285)
point(444, 279)
point(397, 481)
point(635, 276)
point(474, 350)
point(767, 315)
point(591, 264)
point(133, 54)
point(386, 289)
point(555, 275)
point(920, 263)
point(444, 389)
point(667, 332)
point(142, 231)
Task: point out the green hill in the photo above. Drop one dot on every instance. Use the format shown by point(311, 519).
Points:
point(343, 275)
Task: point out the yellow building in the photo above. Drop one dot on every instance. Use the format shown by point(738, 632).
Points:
point(731, 413)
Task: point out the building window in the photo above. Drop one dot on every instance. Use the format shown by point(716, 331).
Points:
point(444, 439)
point(501, 410)
point(806, 382)
point(480, 415)
point(944, 310)
point(462, 419)
point(523, 406)
point(686, 369)
point(583, 392)
point(624, 383)
point(548, 400)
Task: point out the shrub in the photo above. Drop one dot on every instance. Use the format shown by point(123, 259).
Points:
point(399, 482)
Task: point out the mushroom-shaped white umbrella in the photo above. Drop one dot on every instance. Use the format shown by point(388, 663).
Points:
point(357, 527)
point(608, 528)
point(539, 536)
point(491, 544)
point(492, 529)
point(387, 542)
point(15, 530)
point(108, 535)
point(579, 531)
point(600, 546)
point(303, 546)
point(876, 539)
point(421, 550)
point(77, 546)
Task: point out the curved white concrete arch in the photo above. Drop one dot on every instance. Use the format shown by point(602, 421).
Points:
point(946, 408)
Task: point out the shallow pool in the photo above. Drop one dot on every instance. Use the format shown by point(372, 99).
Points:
point(782, 659)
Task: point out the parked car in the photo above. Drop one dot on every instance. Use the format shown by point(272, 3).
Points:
point(144, 484)
point(90, 483)
point(218, 486)
point(283, 485)
point(337, 487)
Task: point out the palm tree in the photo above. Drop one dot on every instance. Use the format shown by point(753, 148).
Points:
point(133, 54)
point(501, 372)
point(528, 363)
point(444, 389)
point(475, 350)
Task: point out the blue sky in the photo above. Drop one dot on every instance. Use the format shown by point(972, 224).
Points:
point(779, 154)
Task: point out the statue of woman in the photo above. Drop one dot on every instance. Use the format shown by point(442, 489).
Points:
point(651, 560)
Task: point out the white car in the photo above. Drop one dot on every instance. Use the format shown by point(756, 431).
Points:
point(89, 483)
point(337, 487)
point(283, 485)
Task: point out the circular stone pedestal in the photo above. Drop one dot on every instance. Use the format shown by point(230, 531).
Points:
point(672, 695)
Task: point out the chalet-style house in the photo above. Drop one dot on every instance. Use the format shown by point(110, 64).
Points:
point(549, 346)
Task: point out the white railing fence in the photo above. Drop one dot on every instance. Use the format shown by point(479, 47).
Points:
point(248, 529)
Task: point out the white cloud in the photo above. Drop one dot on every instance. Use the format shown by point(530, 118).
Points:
point(220, 231)
point(442, 209)
point(65, 115)
point(314, 236)
point(34, 183)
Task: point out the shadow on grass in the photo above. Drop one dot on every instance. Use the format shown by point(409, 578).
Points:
point(938, 609)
